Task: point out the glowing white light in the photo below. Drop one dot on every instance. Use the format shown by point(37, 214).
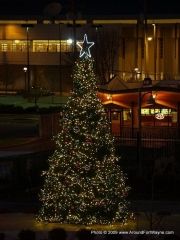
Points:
point(85, 47)
point(136, 69)
point(69, 41)
point(149, 38)
point(24, 69)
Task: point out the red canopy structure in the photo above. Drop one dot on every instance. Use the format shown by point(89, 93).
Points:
point(142, 103)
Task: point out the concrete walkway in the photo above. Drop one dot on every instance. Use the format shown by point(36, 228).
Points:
point(12, 223)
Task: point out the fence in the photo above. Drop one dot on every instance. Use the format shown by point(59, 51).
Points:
point(157, 155)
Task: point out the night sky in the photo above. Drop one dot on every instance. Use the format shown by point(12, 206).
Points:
point(91, 7)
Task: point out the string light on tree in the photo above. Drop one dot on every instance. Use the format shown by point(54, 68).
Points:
point(84, 183)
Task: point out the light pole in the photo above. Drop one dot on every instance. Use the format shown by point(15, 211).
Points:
point(60, 58)
point(97, 27)
point(136, 74)
point(25, 73)
point(145, 38)
point(151, 101)
point(74, 25)
point(28, 70)
point(139, 134)
point(155, 49)
point(27, 27)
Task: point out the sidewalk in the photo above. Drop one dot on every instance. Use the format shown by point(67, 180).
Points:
point(11, 224)
point(165, 217)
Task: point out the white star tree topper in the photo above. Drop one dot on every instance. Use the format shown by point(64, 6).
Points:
point(85, 47)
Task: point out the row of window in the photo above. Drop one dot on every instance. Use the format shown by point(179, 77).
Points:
point(36, 46)
point(57, 46)
point(145, 112)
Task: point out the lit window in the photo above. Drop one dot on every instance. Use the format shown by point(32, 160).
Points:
point(37, 46)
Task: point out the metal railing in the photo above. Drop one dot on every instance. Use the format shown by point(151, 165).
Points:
point(132, 76)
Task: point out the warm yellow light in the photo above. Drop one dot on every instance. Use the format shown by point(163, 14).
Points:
point(16, 41)
point(136, 69)
point(111, 75)
point(149, 38)
point(154, 95)
point(109, 97)
point(25, 69)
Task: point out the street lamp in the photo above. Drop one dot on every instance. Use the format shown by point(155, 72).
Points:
point(149, 39)
point(150, 101)
point(155, 48)
point(25, 72)
point(97, 28)
point(69, 41)
point(137, 73)
point(60, 58)
point(27, 27)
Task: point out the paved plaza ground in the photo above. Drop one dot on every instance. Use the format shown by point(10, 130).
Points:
point(166, 220)
point(12, 223)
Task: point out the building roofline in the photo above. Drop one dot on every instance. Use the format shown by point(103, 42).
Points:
point(142, 89)
point(94, 19)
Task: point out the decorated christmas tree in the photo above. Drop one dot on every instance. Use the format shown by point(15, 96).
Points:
point(84, 183)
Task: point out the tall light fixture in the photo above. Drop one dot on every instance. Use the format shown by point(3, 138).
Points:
point(150, 101)
point(60, 60)
point(145, 38)
point(73, 16)
point(51, 11)
point(27, 27)
point(155, 49)
point(25, 73)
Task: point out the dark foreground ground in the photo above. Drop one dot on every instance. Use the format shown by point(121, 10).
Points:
point(12, 223)
point(154, 201)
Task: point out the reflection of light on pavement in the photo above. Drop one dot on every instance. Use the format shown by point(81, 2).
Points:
point(12, 223)
point(19, 221)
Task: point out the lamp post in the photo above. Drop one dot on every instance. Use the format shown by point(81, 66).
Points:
point(139, 133)
point(25, 73)
point(60, 60)
point(155, 49)
point(27, 27)
point(96, 27)
point(28, 72)
point(136, 73)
